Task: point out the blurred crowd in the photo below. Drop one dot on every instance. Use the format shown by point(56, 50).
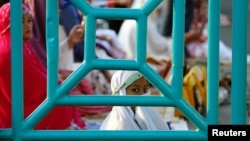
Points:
point(114, 39)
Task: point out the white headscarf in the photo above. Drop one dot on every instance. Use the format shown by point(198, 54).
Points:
point(122, 117)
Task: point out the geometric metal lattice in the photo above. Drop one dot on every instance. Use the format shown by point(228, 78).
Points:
point(22, 129)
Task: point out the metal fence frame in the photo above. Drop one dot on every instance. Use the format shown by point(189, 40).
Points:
point(22, 129)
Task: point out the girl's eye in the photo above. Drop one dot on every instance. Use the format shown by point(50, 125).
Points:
point(145, 90)
point(136, 90)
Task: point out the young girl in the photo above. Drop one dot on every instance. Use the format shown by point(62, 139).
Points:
point(35, 78)
point(132, 117)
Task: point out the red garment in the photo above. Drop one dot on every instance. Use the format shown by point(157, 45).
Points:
point(35, 78)
point(111, 3)
point(85, 87)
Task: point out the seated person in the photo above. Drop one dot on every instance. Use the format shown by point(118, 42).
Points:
point(132, 117)
point(35, 79)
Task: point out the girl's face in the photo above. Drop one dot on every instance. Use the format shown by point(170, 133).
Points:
point(27, 26)
point(139, 87)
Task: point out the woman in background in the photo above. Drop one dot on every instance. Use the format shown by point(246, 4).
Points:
point(35, 79)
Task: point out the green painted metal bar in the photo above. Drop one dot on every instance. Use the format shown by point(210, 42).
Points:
point(82, 5)
point(178, 46)
point(113, 65)
point(239, 62)
point(141, 42)
point(90, 34)
point(213, 61)
point(52, 23)
point(150, 6)
point(103, 13)
point(52, 83)
point(172, 95)
point(115, 100)
point(33, 119)
point(99, 64)
point(192, 114)
point(116, 135)
point(74, 79)
point(16, 69)
point(52, 64)
point(157, 81)
point(6, 134)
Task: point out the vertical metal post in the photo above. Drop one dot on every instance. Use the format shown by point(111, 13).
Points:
point(178, 45)
point(16, 68)
point(213, 61)
point(239, 61)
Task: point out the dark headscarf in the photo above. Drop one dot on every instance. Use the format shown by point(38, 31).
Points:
point(38, 12)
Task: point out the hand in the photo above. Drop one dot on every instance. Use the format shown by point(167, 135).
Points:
point(76, 35)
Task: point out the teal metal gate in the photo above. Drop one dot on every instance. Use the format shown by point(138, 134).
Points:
point(22, 129)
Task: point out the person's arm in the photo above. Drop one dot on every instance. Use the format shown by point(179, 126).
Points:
point(195, 33)
point(66, 58)
point(76, 35)
point(192, 36)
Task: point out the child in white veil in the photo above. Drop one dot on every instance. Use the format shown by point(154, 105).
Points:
point(129, 117)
